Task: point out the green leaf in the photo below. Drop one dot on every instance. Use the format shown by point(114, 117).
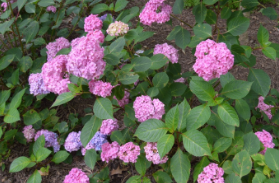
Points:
point(184, 109)
point(261, 81)
point(12, 116)
point(200, 12)
point(236, 146)
point(64, 51)
point(16, 101)
point(177, 89)
point(160, 80)
point(238, 25)
point(143, 36)
point(142, 165)
point(203, 30)
point(171, 119)
point(243, 109)
point(99, 8)
point(152, 92)
point(10, 134)
point(251, 143)
point(162, 177)
point(272, 158)
point(31, 31)
point(42, 154)
point(226, 13)
point(229, 39)
point(1, 132)
point(276, 47)
point(117, 136)
point(20, 4)
point(30, 8)
point(202, 89)
point(35, 177)
point(151, 130)
point(63, 98)
point(269, 52)
point(242, 163)
point(165, 144)
point(236, 89)
point(158, 61)
point(180, 166)
point(211, 17)
point(209, 2)
point(173, 33)
point(227, 167)
point(228, 114)
point(6, 61)
point(270, 13)
point(134, 179)
point(5, 27)
point(25, 63)
point(197, 117)
point(103, 108)
point(249, 3)
point(199, 167)
point(89, 130)
point(222, 144)
point(141, 64)
point(258, 178)
point(19, 164)
point(60, 156)
point(46, 3)
point(120, 5)
point(31, 117)
point(196, 143)
point(111, 59)
point(178, 7)
point(233, 178)
point(90, 158)
point(40, 142)
point(182, 38)
point(263, 35)
point(128, 78)
point(117, 45)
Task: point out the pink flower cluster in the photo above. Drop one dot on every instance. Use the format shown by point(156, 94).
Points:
point(92, 22)
point(36, 83)
point(54, 77)
point(264, 107)
point(125, 100)
point(54, 47)
point(117, 28)
point(51, 8)
point(129, 152)
point(168, 50)
point(4, 6)
point(150, 13)
point(100, 88)
point(146, 109)
point(29, 133)
point(76, 176)
point(266, 138)
point(109, 151)
point(108, 126)
point(152, 153)
point(72, 142)
point(96, 35)
point(85, 59)
point(213, 59)
point(211, 173)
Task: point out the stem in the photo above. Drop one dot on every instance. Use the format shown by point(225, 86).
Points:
point(181, 21)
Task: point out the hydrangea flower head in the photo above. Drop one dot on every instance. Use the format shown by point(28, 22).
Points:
point(96, 35)
point(54, 75)
point(29, 133)
point(85, 58)
point(100, 88)
point(108, 126)
point(51, 8)
point(76, 176)
point(213, 59)
point(50, 139)
point(125, 100)
point(72, 142)
point(54, 47)
point(36, 83)
point(152, 153)
point(129, 152)
point(266, 138)
point(168, 50)
point(109, 151)
point(155, 11)
point(211, 173)
point(92, 22)
point(95, 143)
point(264, 107)
point(117, 28)
point(4, 6)
point(146, 109)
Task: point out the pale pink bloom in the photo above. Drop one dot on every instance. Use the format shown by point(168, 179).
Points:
point(117, 28)
point(168, 50)
point(129, 152)
point(29, 133)
point(152, 153)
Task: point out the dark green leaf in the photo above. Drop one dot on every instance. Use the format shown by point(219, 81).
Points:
point(178, 7)
point(99, 8)
point(197, 117)
point(251, 143)
point(46, 3)
point(142, 165)
point(171, 119)
point(165, 144)
point(226, 13)
point(31, 30)
point(211, 17)
point(5, 27)
point(141, 64)
point(90, 158)
point(236, 146)
point(180, 166)
point(103, 108)
point(184, 109)
point(30, 8)
point(233, 178)
point(243, 109)
point(117, 45)
point(63, 98)
point(228, 114)
point(160, 80)
point(242, 163)
point(25, 63)
point(31, 117)
point(270, 13)
point(120, 4)
point(40, 142)
point(202, 89)
point(6, 61)
point(236, 89)
point(199, 167)
point(162, 177)
point(200, 12)
point(222, 144)
point(238, 25)
point(261, 81)
point(61, 156)
point(249, 3)
point(203, 30)
point(158, 61)
point(89, 130)
point(272, 158)
point(128, 78)
point(182, 38)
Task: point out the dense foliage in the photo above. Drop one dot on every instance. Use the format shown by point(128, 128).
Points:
point(168, 118)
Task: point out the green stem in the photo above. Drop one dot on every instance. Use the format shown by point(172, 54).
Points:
point(181, 21)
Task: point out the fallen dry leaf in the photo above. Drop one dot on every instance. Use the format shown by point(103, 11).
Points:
point(118, 170)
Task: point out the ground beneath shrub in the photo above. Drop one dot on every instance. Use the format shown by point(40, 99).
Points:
point(120, 173)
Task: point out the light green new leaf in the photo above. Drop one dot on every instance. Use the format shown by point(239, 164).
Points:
point(35, 177)
point(263, 35)
point(19, 164)
point(269, 52)
point(42, 153)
